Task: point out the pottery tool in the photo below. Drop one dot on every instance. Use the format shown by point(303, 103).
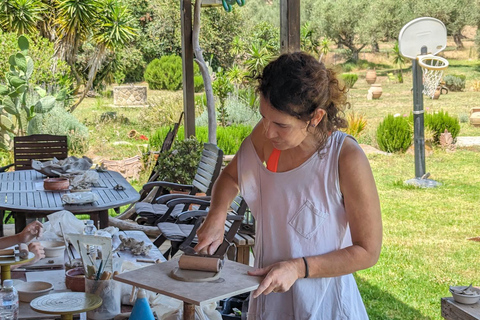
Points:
point(66, 244)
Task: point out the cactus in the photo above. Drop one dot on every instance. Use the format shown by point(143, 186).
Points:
point(17, 105)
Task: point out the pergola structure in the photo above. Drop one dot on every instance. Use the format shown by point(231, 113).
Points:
point(289, 42)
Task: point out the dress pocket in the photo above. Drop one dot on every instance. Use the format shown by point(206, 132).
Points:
point(307, 219)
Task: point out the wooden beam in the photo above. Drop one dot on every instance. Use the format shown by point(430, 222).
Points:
point(289, 26)
point(187, 67)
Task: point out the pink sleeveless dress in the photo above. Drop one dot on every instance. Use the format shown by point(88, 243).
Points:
point(300, 213)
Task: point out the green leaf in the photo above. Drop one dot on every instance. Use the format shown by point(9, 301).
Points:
point(62, 95)
point(45, 104)
point(9, 105)
point(11, 60)
point(16, 81)
point(30, 65)
point(23, 43)
point(21, 62)
point(4, 90)
point(41, 92)
point(6, 123)
point(21, 89)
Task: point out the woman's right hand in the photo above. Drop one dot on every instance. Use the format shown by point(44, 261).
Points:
point(210, 234)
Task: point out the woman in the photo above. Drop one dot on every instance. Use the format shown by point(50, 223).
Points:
point(315, 203)
point(32, 231)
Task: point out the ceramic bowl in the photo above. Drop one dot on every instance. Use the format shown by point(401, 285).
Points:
point(53, 248)
point(27, 291)
point(75, 279)
point(465, 298)
point(54, 184)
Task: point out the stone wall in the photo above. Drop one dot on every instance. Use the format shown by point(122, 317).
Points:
point(130, 96)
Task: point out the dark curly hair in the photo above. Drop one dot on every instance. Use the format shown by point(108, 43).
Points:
point(297, 84)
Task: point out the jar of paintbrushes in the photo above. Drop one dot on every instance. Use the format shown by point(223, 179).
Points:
point(101, 283)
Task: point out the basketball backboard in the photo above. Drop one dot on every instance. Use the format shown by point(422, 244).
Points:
point(425, 31)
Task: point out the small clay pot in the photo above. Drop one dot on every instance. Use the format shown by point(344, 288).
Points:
point(55, 184)
point(75, 279)
point(371, 76)
point(376, 90)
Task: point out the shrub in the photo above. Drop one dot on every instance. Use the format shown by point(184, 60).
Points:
point(349, 79)
point(166, 74)
point(394, 134)
point(455, 82)
point(356, 124)
point(180, 163)
point(229, 139)
point(59, 122)
point(440, 121)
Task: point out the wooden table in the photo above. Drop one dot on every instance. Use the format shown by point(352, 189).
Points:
point(452, 310)
point(233, 281)
point(22, 192)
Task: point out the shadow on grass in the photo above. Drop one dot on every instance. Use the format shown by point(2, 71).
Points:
point(381, 305)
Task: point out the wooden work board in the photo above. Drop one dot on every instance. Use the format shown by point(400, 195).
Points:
point(233, 280)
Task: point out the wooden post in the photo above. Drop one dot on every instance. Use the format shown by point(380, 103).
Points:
point(187, 67)
point(188, 311)
point(289, 26)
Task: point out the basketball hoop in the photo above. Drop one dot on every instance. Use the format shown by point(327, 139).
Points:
point(432, 67)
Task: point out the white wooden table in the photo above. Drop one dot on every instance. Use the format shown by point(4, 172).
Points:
point(57, 277)
point(233, 280)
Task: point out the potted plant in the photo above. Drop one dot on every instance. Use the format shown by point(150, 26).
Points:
point(179, 164)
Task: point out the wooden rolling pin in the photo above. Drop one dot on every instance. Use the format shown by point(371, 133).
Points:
point(22, 251)
point(198, 263)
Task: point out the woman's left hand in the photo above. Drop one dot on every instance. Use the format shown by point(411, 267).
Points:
point(279, 277)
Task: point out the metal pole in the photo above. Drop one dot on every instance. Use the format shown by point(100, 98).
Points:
point(418, 120)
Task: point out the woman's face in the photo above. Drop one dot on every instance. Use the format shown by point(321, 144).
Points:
point(284, 131)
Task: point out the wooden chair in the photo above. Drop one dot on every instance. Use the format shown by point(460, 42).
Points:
point(149, 196)
point(182, 235)
point(41, 147)
point(151, 213)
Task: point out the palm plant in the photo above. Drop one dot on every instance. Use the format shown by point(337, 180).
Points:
point(308, 42)
point(74, 20)
point(259, 57)
point(398, 60)
point(324, 48)
point(21, 16)
point(114, 29)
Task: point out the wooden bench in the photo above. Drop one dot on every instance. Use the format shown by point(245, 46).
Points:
point(243, 243)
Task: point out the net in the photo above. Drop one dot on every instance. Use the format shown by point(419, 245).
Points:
point(432, 67)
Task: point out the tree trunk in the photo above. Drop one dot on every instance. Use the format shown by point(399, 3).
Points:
point(375, 47)
point(207, 80)
point(458, 40)
point(94, 66)
point(126, 225)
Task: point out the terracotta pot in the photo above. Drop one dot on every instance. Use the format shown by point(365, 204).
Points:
point(437, 93)
point(371, 76)
point(475, 116)
point(376, 90)
point(75, 279)
point(56, 184)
